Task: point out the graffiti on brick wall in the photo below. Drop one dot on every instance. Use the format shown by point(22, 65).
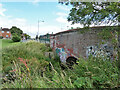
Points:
point(61, 49)
point(63, 53)
point(76, 44)
point(104, 51)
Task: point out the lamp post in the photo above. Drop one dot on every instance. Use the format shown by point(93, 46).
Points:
point(38, 27)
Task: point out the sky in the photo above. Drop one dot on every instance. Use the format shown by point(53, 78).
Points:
point(25, 15)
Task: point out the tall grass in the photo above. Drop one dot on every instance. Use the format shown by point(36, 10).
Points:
point(38, 71)
point(32, 51)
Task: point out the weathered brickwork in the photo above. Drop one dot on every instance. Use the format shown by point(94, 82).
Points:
point(77, 44)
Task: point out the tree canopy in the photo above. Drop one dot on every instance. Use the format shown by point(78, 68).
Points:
point(15, 30)
point(27, 36)
point(87, 13)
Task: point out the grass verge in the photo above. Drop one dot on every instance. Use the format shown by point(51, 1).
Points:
point(8, 42)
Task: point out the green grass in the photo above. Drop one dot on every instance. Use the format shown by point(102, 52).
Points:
point(42, 72)
point(7, 42)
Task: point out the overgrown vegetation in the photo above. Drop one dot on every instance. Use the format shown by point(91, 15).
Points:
point(26, 66)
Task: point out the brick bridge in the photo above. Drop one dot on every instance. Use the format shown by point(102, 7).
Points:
point(81, 42)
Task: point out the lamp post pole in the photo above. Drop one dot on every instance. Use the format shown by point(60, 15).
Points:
point(38, 27)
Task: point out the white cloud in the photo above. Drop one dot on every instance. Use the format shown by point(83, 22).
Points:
point(62, 17)
point(67, 25)
point(20, 20)
point(48, 29)
point(2, 10)
point(61, 20)
point(62, 14)
point(63, 7)
point(35, 2)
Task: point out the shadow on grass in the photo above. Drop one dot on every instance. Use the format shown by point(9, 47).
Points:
point(10, 41)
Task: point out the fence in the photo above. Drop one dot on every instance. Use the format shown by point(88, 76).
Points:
point(44, 38)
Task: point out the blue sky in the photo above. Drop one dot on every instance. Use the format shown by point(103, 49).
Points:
point(25, 15)
point(32, 12)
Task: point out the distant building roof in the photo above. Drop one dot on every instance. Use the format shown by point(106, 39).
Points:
point(46, 35)
point(5, 29)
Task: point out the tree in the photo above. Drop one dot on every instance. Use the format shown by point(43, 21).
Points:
point(26, 36)
point(15, 30)
point(87, 13)
point(16, 38)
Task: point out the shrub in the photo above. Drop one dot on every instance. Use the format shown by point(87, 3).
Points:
point(16, 38)
point(1, 37)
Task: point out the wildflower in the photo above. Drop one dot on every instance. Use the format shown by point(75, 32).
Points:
point(24, 62)
point(20, 58)
point(13, 70)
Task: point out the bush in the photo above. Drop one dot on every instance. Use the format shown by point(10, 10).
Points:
point(16, 38)
point(1, 37)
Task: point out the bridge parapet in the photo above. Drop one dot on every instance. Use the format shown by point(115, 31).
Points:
point(83, 43)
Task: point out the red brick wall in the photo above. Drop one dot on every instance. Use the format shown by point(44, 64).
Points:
point(5, 33)
point(0, 33)
point(76, 43)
